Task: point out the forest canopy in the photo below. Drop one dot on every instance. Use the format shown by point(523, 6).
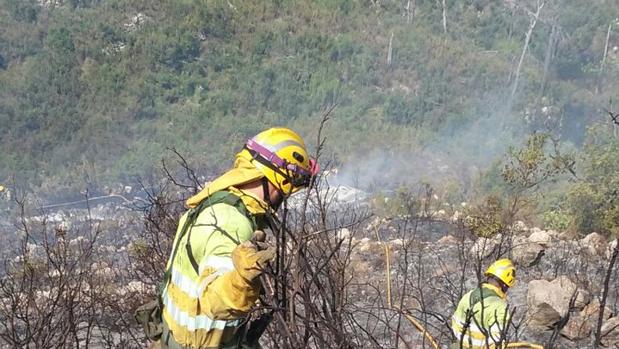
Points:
point(95, 91)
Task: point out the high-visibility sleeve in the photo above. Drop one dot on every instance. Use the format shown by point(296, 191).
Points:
point(234, 293)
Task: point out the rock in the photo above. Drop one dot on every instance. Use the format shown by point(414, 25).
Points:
point(364, 245)
point(448, 240)
point(568, 286)
point(397, 242)
point(577, 328)
point(343, 233)
point(445, 270)
point(374, 224)
point(527, 254)
point(540, 237)
point(582, 324)
point(592, 310)
point(567, 236)
point(594, 244)
point(553, 233)
point(457, 216)
point(484, 247)
point(440, 214)
point(610, 248)
point(543, 316)
point(610, 332)
point(535, 230)
point(519, 240)
point(549, 301)
point(520, 226)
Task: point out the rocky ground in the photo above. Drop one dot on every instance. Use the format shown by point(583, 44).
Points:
point(432, 261)
point(552, 267)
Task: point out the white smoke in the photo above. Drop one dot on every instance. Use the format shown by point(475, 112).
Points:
point(458, 153)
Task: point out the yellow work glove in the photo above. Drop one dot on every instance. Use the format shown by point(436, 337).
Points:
point(250, 259)
point(233, 294)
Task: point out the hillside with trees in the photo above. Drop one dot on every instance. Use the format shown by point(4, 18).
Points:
point(94, 91)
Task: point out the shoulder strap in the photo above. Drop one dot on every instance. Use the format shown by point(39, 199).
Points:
point(192, 215)
point(481, 293)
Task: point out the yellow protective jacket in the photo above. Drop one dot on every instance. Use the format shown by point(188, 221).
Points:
point(481, 325)
point(205, 309)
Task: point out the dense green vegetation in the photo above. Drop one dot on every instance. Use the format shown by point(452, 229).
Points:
point(95, 91)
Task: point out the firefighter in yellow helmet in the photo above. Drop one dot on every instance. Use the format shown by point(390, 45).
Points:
point(212, 277)
point(482, 317)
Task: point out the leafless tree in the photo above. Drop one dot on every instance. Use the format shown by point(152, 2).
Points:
point(59, 289)
point(443, 5)
point(533, 19)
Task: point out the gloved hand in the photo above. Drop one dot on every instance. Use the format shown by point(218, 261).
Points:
point(251, 257)
point(234, 293)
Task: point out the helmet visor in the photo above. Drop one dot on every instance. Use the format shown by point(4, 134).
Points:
point(300, 177)
point(296, 175)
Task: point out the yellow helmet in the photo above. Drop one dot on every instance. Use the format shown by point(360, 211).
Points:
point(280, 154)
point(504, 270)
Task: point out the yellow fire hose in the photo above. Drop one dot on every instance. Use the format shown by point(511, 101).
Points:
point(416, 323)
point(411, 319)
point(524, 345)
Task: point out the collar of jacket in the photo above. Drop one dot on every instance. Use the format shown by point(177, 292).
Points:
point(254, 204)
point(496, 289)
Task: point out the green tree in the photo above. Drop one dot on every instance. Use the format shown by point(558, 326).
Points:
point(594, 201)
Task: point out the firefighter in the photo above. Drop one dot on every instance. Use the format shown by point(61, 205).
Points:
point(482, 316)
point(213, 273)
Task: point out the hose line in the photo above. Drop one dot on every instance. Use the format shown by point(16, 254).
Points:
point(416, 323)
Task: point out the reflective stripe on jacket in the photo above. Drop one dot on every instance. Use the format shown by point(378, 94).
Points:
point(204, 310)
point(480, 326)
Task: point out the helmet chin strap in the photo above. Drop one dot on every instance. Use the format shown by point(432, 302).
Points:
point(267, 195)
point(500, 283)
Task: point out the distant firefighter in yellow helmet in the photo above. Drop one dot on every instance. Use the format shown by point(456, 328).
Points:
point(482, 317)
point(213, 272)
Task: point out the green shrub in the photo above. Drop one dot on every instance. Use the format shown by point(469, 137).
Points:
point(558, 220)
point(593, 200)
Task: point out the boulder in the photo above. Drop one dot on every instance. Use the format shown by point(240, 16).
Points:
point(577, 328)
point(610, 332)
point(364, 245)
point(520, 226)
point(448, 240)
point(456, 217)
point(540, 237)
point(553, 233)
point(564, 283)
point(548, 301)
point(343, 234)
point(611, 248)
point(582, 324)
point(592, 310)
point(397, 242)
point(594, 244)
point(445, 270)
point(484, 247)
point(567, 236)
point(440, 214)
point(527, 254)
point(543, 316)
point(519, 240)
